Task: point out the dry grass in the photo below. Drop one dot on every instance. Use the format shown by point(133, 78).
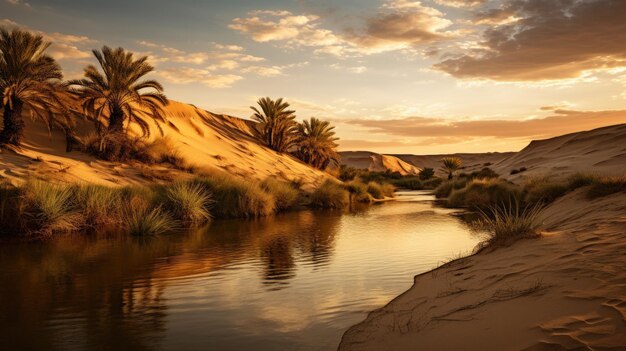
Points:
point(145, 222)
point(330, 195)
point(48, 208)
point(510, 221)
point(483, 193)
point(285, 194)
point(188, 202)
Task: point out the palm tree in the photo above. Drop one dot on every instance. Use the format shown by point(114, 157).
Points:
point(117, 96)
point(276, 123)
point(316, 143)
point(451, 164)
point(29, 80)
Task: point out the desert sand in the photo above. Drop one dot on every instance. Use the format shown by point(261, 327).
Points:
point(563, 291)
point(204, 139)
point(601, 151)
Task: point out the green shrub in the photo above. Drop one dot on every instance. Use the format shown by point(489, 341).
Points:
point(483, 193)
point(48, 208)
point(484, 173)
point(444, 189)
point(188, 202)
point(411, 183)
point(99, 205)
point(375, 190)
point(364, 198)
point(330, 195)
point(236, 198)
point(580, 180)
point(347, 173)
point(355, 187)
point(388, 189)
point(426, 173)
point(285, 194)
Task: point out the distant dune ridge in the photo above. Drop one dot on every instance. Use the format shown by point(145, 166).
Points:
point(600, 151)
point(202, 138)
point(377, 162)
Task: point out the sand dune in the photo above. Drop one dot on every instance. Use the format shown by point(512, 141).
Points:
point(564, 291)
point(204, 139)
point(377, 162)
point(601, 151)
point(471, 162)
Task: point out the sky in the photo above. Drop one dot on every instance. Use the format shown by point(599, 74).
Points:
point(393, 76)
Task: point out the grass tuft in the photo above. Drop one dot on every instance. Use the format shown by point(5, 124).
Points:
point(510, 221)
point(188, 202)
point(48, 208)
point(99, 205)
point(147, 222)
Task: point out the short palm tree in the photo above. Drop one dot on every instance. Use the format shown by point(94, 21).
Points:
point(118, 95)
point(316, 143)
point(29, 80)
point(277, 123)
point(451, 164)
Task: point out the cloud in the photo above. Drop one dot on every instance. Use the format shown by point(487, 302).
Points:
point(188, 75)
point(560, 122)
point(545, 40)
point(402, 24)
point(397, 25)
point(461, 3)
point(64, 46)
point(19, 3)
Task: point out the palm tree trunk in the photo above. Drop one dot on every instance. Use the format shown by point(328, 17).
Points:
point(116, 122)
point(449, 175)
point(13, 124)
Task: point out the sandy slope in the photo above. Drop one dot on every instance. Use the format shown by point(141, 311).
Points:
point(202, 138)
point(601, 150)
point(377, 162)
point(564, 291)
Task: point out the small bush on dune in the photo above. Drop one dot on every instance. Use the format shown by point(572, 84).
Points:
point(580, 180)
point(286, 194)
point(510, 221)
point(145, 222)
point(188, 202)
point(483, 193)
point(99, 205)
point(48, 208)
point(606, 186)
point(236, 197)
point(330, 195)
point(542, 189)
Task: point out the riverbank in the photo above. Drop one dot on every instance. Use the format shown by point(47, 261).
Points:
point(563, 291)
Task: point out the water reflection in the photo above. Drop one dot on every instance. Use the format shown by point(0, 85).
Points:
point(291, 281)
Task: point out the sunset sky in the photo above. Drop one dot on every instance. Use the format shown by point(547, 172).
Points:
point(396, 76)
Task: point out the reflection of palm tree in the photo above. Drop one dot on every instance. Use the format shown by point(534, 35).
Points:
point(279, 261)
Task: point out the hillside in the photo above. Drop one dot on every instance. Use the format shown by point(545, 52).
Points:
point(601, 151)
point(203, 139)
point(376, 162)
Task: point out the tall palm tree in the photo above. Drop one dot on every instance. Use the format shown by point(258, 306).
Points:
point(316, 143)
point(30, 81)
point(117, 96)
point(276, 123)
point(451, 164)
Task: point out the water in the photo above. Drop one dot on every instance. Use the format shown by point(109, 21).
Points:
point(292, 282)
